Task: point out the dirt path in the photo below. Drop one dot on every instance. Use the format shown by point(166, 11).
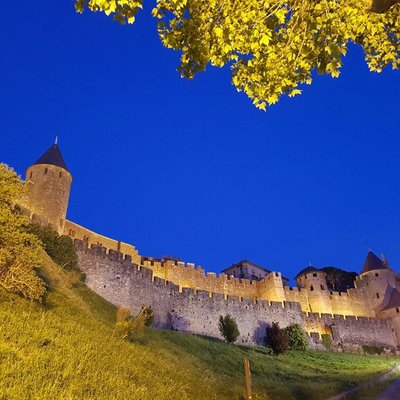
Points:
point(392, 392)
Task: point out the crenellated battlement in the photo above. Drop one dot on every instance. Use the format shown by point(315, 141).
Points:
point(91, 238)
point(144, 272)
point(113, 275)
point(187, 276)
point(187, 297)
point(151, 271)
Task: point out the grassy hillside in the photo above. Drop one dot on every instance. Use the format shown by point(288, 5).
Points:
point(65, 350)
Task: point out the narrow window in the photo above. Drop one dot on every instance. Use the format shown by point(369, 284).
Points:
point(30, 176)
point(311, 288)
point(377, 295)
point(397, 309)
point(322, 287)
point(60, 174)
point(45, 171)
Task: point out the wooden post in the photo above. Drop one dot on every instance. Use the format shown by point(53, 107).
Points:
point(247, 377)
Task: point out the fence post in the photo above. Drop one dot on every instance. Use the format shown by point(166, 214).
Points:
point(247, 377)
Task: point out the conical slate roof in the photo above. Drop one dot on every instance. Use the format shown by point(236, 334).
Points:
point(52, 156)
point(373, 262)
point(394, 300)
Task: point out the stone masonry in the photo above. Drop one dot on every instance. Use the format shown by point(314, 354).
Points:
point(187, 298)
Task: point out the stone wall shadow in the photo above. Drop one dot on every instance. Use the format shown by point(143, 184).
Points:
point(259, 333)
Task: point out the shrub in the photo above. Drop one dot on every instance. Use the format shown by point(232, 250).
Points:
point(327, 341)
point(123, 314)
point(127, 327)
point(276, 338)
point(147, 314)
point(60, 248)
point(297, 339)
point(73, 278)
point(228, 328)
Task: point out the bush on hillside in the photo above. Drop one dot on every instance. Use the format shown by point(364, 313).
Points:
point(327, 341)
point(19, 249)
point(123, 314)
point(228, 328)
point(147, 314)
point(60, 248)
point(276, 338)
point(297, 339)
point(127, 327)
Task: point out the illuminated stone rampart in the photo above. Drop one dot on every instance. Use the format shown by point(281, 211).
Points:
point(113, 276)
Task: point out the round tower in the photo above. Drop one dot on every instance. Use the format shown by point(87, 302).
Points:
point(48, 186)
point(375, 278)
point(311, 278)
point(391, 310)
point(314, 282)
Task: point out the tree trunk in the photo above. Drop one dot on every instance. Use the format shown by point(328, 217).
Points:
point(381, 6)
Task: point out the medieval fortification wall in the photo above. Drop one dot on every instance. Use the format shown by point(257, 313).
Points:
point(187, 298)
point(187, 275)
point(113, 276)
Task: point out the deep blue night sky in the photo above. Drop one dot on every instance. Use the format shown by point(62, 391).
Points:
point(191, 168)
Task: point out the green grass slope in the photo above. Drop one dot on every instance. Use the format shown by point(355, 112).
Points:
point(65, 350)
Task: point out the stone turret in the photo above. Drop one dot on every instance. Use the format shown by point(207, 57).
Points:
point(375, 278)
point(314, 281)
point(311, 278)
point(48, 186)
point(391, 309)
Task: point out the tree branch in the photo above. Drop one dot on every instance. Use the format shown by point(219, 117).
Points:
point(381, 6)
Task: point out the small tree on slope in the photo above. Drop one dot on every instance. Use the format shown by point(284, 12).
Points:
point(277, 339)
point(228, 328)
point(297, 339)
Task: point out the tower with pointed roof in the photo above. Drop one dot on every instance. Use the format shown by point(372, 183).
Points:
point(48, 187)
point(375, 278)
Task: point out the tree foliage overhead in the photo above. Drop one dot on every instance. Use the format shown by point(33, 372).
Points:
point(19, 249)
point(272, 46)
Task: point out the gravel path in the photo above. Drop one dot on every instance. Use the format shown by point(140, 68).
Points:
point(392, 392)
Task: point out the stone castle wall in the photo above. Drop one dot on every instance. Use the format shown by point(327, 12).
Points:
point(79, 232)
point(114, 277)
point(187, 298)
point(187, 275)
